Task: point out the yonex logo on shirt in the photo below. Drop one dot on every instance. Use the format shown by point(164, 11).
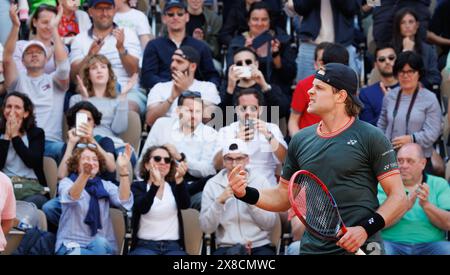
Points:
point(352, 142)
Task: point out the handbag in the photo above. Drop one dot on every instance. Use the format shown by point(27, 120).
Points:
point(25, 187)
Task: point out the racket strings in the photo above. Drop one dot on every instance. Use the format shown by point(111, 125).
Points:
point(316, 207)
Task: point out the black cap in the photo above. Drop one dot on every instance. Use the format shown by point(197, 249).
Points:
point(174, 3)
point(189, 53)
point(341, 77)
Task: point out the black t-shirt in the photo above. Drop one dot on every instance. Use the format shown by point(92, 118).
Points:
point(195, 21)
point(350, 164)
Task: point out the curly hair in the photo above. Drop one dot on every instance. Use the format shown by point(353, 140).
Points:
point(74, 160)
point(145, 174)
point(83, 105)
point(84, 74)
point(28, 122)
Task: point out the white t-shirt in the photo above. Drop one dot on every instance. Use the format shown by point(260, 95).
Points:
point(162, 91)
point(14, 165)
point(262, 160)
point(135, 20)
point(47, 97)
point(160, 223)
point(83, 41)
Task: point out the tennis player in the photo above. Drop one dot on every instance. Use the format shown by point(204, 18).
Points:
point(350, 156)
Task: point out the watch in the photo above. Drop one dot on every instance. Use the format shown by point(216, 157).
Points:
point(123, 53)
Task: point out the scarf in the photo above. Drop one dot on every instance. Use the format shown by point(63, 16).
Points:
point(95, 189)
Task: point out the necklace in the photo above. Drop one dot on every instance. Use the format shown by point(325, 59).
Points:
point(332, 133)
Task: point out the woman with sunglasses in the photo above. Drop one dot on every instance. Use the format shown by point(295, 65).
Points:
point(44, 20)
point(275, 56)
point(405, 37)
point(97, 84)
point(22, 149)
point(85, 227)
point(411, 113)
point(157, 222)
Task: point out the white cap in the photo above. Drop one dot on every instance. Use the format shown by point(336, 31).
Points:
point(235, 146)
point(32, 43)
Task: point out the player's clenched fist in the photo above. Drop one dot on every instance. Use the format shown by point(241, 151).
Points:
point(237, 179)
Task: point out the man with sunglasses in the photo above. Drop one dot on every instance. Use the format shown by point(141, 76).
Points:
point(265, 140)
point(120, 45)
point(187, 138)
point(372, 96)
point(245, 59)
point(240, 228)
point(156, 64)
point(162, 99)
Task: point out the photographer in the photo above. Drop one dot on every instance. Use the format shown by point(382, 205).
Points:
point(244, 74)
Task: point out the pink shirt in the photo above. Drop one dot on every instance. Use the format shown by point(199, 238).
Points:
point(7, 205)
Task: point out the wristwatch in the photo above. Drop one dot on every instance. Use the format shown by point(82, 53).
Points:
point(123, 53)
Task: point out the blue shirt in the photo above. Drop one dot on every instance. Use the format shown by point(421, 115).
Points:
point(372, 98)
point(71, 225)
point(158, 56)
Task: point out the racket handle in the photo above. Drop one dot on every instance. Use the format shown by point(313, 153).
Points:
point(360, 252)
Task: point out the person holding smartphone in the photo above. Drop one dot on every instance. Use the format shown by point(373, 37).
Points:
point(244, 73)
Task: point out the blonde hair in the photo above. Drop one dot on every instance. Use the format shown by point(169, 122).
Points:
point(84, 74)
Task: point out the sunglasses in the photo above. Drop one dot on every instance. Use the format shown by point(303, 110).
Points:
point(247, 62)
point(191, 94)
point(86, 145)
point(172, 14)
point(381, 59)
point(158, 159)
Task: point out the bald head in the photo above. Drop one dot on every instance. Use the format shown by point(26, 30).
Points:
point(412, 149)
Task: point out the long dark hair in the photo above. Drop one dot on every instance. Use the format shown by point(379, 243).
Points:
point(35, 16)
point(145, 174)
point(28, 122)
point(397, 37)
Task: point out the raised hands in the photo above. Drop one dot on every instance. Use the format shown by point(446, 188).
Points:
point(226, 194)
point(181, 171)
point(13, 126)
point(54, 22)
point(120, 38)
point(82, 89)
point(133, 80)
point(14, 16)
point(124, 159)
point(96, 46)
point(155, 176)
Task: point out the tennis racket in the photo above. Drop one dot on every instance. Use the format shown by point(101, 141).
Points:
point(315, 206)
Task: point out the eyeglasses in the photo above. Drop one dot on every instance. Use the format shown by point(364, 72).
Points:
point(191, 94)
point(381, 59)
point(158, 159)
point(88, 145)
point(407, 72)
point(172, 14)
point(231, 160)
point(251, 108)
point(247, 62)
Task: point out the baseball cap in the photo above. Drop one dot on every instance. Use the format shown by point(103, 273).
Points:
point(341, 77)
point(235, 146)
point(35, 43)
point(93, 3)
point(189, 53)
point(174, 3)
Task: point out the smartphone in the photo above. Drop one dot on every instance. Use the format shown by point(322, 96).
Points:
point(248, 123)
point(80, 118)
point(243, 71)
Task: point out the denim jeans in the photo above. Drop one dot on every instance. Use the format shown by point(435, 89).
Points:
point(99, 246)
point(53, 149)
point(52, 210)
point(144, 247)
point(434, 248)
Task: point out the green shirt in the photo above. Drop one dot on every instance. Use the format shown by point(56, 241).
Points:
point(350, 164)
point(34, 4)
point(415, 227)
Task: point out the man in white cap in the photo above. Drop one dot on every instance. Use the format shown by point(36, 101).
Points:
point(240, 228)
point(46, 91)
